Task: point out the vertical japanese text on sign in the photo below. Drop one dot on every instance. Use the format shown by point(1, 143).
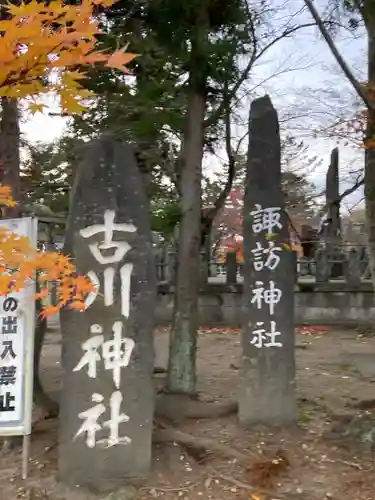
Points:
point(17, 319)
point(266, 220)
point(99, 250)
point(116, 352)
point(8, 363)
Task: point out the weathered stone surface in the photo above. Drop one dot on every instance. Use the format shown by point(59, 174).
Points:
point(323, 266)
point(338, 262)
point(353, 270)
point(213, 269)
point(304, 267)
point(171, 267)
point(267, 382)
point(109, 180)
point(364, 263)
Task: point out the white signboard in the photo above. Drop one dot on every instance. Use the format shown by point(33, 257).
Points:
point(17, 322)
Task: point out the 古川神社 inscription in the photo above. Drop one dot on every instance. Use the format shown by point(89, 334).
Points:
point(107, 399)
point(116, 352)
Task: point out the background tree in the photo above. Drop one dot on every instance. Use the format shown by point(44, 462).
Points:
point(46, 177)
point(194, 59)
point(360, 11)
point(42, 49)
point(301, 206)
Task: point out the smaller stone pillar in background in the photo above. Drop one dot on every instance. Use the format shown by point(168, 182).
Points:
point(353, 268)
point(231, 268)
point(323, 266)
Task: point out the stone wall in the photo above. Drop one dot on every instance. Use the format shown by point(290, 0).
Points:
point(335, 303)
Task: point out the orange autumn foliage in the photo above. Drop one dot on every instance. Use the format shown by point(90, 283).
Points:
point(20, 263)
point(44, 48)
point(6, 197)
point(237, 246)
point(351, 130)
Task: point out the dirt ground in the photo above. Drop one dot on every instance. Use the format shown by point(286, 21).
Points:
point(315, 461)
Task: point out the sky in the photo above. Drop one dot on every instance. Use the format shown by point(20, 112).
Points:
point(315, 88)
point(303, 80)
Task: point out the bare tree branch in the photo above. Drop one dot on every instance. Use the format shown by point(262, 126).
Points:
point(210, 213)
point(231, 160)
point(358, 183)
point(254, 57)
point(340, 60)
point(353, 188)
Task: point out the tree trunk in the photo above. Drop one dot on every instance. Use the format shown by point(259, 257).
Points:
point(41, 398)
point(181, 369)
point(370, 152)
point(10, 174)
point(10, 149)
point(367, 12)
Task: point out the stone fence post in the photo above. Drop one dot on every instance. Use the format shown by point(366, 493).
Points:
point(231, 268)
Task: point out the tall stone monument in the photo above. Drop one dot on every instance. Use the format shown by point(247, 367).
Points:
point(333, 223)
point(267, 381)
point(107, 399)
point(332, 227)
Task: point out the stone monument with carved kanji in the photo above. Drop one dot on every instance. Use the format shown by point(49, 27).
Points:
point(107, 400)
point(267, 381)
